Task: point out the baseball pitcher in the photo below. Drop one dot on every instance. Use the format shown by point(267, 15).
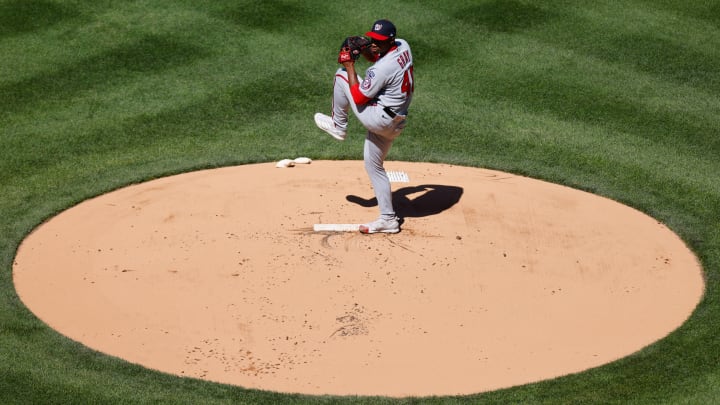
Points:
point(380, 101)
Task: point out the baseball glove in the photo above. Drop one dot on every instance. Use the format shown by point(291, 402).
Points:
point(352, 48)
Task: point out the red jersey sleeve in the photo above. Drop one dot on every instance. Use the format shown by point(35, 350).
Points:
point(358, 97)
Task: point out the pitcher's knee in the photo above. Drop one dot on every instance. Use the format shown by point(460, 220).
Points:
point(372, 167)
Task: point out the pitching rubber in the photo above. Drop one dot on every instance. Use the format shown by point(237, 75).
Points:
point(336, 227)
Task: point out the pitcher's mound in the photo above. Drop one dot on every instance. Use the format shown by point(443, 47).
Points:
point(495, 280)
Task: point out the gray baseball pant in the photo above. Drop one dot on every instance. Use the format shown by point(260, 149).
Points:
point(382, 131)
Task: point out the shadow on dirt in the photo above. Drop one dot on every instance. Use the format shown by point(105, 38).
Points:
point(417, 201)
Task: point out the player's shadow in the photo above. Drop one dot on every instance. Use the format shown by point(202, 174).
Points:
point(417, 201)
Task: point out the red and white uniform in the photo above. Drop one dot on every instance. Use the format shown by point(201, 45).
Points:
point(389, 82)
point(380, 101)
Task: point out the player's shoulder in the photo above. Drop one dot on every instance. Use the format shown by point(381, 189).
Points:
point(389, 62)
point(401, 43)
point(402, 51)
point(402, 47)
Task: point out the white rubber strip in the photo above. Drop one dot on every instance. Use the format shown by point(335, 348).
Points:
point(398, 177)
point(336, 227)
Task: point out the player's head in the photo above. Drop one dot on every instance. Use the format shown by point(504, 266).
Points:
point(382, 35)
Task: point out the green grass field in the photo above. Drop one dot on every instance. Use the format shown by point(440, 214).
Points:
point(618, 98)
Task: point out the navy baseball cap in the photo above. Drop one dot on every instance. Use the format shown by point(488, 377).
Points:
point(382, 30)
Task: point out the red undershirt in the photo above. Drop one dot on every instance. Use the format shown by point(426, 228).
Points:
point(358, 97)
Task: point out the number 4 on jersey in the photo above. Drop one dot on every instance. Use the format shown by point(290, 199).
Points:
point(408, 83)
